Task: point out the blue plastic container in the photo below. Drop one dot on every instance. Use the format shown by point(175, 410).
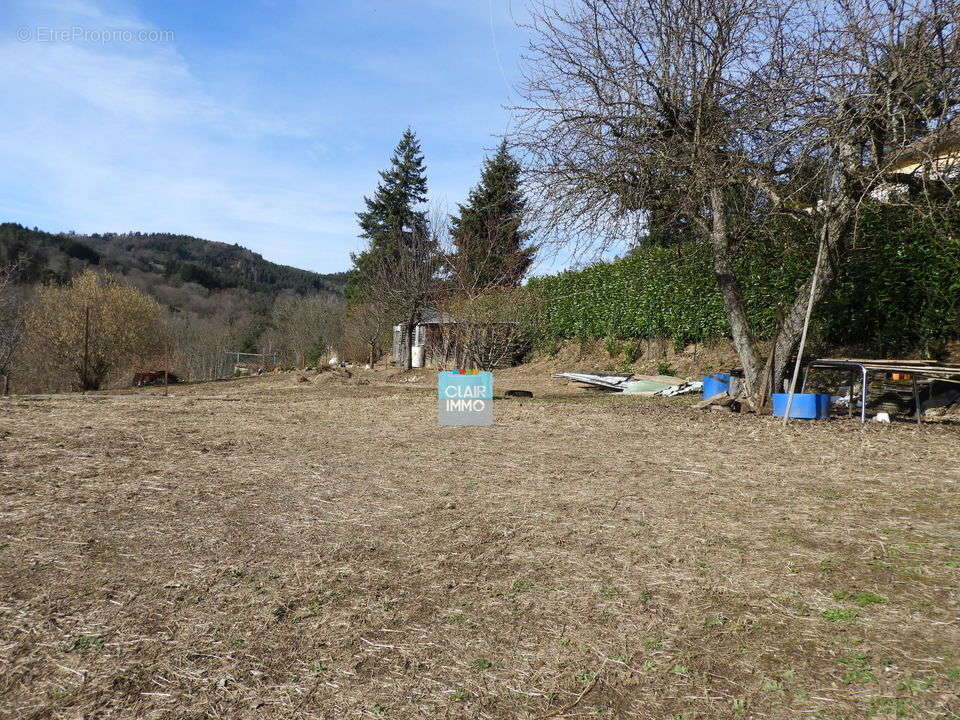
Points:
point(715, 383)
point(810, 406)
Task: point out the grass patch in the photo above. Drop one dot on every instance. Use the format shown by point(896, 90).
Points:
point(858, 669)
point(863, 599)
point(84, 644)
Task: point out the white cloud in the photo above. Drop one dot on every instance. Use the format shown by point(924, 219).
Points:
point(268, 136)
point(116, 137)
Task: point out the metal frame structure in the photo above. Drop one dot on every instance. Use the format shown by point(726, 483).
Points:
point(913, 368)
point(232, 358)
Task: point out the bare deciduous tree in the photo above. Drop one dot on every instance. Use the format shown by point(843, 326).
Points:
point(488, 329)
point(728, 111)
point(12, 322)
point(199, 344)
point(365, 329)
point(405, 280)
point(485, 316)
point(304, 327)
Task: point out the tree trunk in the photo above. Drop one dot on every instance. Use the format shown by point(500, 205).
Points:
point(732, 295)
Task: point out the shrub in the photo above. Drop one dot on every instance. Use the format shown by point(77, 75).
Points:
point(87, 329)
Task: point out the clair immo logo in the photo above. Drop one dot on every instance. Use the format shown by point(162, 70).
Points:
point(465, 397)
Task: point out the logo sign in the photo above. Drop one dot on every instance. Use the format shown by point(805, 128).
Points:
point(465, 398)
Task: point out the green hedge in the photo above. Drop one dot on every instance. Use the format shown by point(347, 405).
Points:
point(900, 293)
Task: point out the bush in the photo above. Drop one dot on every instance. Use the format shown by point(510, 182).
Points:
point(93, 326)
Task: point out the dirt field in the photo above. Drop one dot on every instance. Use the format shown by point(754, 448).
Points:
point(269, 548)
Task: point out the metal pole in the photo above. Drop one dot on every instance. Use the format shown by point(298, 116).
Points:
point(806, 325)
point(916, 398)
point(850, 395)
point(86, 345)
point(863, 394)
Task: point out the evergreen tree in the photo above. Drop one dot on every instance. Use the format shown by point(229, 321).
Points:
point(491, 244)
point(394, 218)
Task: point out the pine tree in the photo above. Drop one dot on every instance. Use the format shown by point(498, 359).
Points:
point(491, 244)
point(393, 218)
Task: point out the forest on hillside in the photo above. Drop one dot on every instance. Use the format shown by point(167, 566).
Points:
point(177, 259)
point(214, 297)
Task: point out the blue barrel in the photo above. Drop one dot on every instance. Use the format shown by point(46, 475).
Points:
point(810, 406)
point(716, 383)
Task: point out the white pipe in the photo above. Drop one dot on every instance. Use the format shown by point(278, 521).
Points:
point(806, 324)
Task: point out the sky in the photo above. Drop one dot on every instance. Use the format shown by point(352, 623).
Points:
point(258, 122)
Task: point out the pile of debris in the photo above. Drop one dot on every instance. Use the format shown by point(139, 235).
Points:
point(324, 375)
point(721, 402)
point(948, 413)
point(154, 377)
point(630, 384)
point(942, 402)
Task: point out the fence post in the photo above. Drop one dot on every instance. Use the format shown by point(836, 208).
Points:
point(86, 345)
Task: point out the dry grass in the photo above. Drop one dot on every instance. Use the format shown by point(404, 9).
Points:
point(273, 549)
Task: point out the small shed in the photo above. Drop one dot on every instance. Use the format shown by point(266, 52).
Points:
point(440, 340)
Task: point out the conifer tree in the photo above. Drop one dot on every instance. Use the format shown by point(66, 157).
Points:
point(491, 245)
point(394, 216)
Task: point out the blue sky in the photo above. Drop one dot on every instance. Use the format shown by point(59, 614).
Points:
point(261, 122)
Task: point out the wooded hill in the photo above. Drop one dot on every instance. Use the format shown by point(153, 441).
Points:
point(171, 259)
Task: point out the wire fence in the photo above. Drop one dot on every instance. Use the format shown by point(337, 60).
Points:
point(238, 364)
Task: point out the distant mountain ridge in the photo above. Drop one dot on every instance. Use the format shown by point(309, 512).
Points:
point(174, 259)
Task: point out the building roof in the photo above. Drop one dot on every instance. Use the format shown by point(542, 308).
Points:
point(938, 147)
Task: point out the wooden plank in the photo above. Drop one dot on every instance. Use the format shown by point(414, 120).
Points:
point(916, 366)
point(919, 369)
point(882, 362)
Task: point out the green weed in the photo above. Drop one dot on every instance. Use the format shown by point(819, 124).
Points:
point(663, 368)
point(858, 669)
point(84, 644)
point(715, 621)
point(316, 603)
point(518, 587)
point(609, 593)
point(482, 664)
point(897, 707)
point(863, 599)
point(914, 686)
